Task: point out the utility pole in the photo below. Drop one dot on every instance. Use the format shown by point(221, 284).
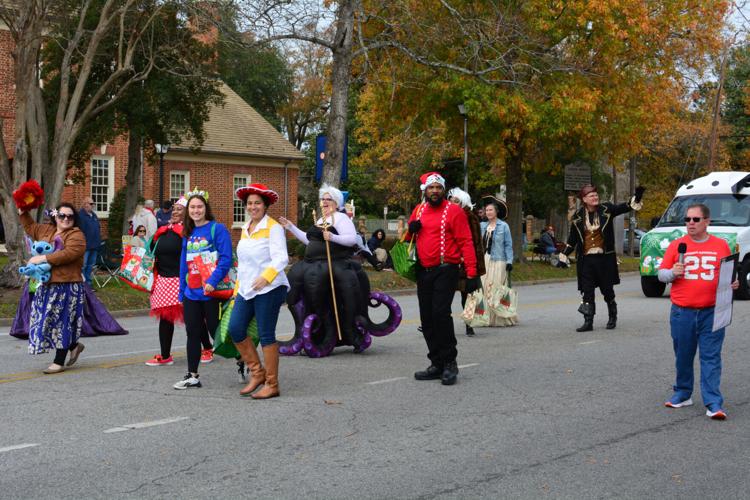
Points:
point(631, 229)
point(717, 103)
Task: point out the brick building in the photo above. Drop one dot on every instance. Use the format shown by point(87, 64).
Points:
point(240, 147)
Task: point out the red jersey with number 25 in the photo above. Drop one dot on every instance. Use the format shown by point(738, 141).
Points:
point(697, 288)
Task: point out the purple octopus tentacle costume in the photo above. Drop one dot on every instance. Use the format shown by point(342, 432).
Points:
point(309, 301)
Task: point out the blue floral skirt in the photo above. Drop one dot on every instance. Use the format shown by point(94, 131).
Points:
point(56, 317)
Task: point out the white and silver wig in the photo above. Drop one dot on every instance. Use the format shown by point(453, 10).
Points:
point(462, 196)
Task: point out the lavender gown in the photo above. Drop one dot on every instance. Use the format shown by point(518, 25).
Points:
point(96, 318)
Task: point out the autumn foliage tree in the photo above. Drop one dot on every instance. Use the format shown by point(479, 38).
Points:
point(544, 83)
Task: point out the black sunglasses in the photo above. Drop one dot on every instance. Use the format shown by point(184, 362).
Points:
point(65, 216)
point(694, 219)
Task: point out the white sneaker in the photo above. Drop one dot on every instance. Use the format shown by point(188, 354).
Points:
point(716, 415)
point(673, 403)
point(187, 382)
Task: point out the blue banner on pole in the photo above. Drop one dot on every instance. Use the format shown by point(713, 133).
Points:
point(320, 154)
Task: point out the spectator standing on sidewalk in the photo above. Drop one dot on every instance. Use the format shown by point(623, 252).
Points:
point(164, 214)
point(89, 225)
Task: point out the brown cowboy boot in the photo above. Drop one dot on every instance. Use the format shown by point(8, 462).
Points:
point(251, 359)
point(271, 387)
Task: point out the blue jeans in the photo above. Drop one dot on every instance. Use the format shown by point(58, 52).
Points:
point(265, 308)
point(691, 330)
point(89, 259)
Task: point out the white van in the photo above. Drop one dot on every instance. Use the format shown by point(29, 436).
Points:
point(727, 195)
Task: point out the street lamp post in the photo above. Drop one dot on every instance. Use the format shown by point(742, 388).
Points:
point(462, 111)
point(161, 149)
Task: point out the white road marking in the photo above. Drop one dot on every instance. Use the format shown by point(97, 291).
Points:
point(143, 425)
point(18, 447)
point(128, 353)
point(589, 342)
point(469, 365)
point(385, 381)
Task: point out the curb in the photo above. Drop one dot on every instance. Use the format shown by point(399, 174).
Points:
point(129, 313)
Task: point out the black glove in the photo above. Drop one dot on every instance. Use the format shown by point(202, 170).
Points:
point(473, 284)
point(509, 267)
point(639, 193)
point(415, 226)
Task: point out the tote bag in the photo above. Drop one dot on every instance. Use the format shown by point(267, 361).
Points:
point(503, 300)
point(223, 345)
point(476, 313)
point(137, 267)
point(405, 259)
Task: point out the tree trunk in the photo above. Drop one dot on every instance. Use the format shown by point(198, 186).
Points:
point(132, 177)
point(514, 193)
point(14, 244)
point(340, 77)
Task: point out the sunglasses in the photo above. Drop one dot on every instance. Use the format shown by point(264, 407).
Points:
point(326, 199)
point(65, 216)
point(694, 219)
point(143, 231)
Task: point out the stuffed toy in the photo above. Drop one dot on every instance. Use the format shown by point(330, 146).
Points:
point(28, 196)
point(39, 272)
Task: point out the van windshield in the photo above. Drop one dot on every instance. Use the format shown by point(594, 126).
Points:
point(726, 209)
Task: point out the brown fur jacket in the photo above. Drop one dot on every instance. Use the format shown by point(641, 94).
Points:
point(476, 238)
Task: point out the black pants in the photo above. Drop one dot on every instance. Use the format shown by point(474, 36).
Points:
point(595, 273)
point(166, 333)
point(201, 319)
point(60, 354)
point(435, 290)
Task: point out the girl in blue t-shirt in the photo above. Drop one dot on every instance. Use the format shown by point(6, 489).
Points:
point(200, 234)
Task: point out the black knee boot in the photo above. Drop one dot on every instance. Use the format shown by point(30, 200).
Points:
point(588, 310)
point(612, 309)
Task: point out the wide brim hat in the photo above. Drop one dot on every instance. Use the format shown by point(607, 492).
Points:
point(502, 208)
point(261, 190)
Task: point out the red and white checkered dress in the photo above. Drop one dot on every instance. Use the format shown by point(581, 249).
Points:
point(165, 302)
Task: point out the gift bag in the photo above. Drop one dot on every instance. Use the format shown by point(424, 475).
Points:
point(206, 263)
point(404, 258)
point(137, 267)
point(476, 313)
point(223, 345)
point(504, 300)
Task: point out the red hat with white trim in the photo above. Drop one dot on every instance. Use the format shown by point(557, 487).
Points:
point(269, 195)
point(431, 178)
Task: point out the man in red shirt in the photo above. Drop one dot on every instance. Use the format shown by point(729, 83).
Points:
point(443, 240)
point(694, 275)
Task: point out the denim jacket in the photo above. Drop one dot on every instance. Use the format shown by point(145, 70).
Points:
point(502, 245)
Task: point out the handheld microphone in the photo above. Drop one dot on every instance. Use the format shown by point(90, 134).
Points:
point(681, 249)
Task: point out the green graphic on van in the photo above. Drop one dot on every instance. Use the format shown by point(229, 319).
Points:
point(654, 244)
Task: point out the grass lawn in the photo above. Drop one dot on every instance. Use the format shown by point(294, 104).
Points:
point(118, 296)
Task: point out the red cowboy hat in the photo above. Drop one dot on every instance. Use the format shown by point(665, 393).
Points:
point(269, 195)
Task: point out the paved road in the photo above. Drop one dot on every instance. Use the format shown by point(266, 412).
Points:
point(539, 412)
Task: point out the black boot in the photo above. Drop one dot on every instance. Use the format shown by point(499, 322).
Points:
point(588, 310)
point(450, 373)
point(431, 373)
point(469, 331)
point(612, 309)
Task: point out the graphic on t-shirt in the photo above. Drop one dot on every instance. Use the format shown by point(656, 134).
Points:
point(195, 245)
point(700, 265)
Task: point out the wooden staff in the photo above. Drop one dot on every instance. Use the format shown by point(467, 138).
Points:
point(324, 225)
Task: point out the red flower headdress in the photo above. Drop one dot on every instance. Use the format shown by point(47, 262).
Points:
point(28, 196)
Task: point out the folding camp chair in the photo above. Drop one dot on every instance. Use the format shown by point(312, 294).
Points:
point(108, 263)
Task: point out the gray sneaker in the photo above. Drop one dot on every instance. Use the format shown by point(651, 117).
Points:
point(189, 381)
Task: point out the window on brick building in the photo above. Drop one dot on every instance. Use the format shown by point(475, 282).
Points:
point(179, 184)
point(102, 183)
point(239, 215)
